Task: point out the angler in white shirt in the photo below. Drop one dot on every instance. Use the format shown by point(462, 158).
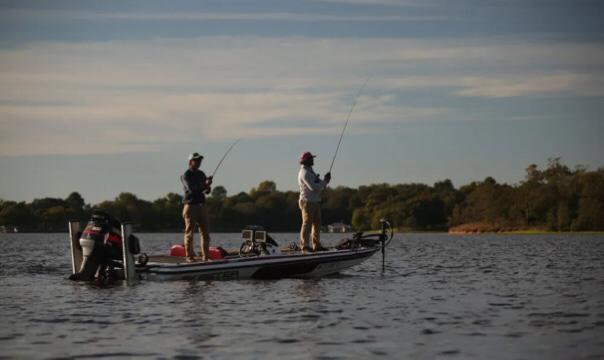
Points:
point(311, 187)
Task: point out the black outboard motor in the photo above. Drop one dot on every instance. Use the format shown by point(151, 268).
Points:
point(101, 243)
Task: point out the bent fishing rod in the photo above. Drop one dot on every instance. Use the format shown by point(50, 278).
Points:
point(224, 157)
point(346, 124)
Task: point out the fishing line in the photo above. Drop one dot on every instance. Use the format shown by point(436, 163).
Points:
point(347, 120)
point(224, 156)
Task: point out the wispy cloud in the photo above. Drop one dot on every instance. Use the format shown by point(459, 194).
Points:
point(144, 121)
point(415, 3)
point(517, 86)
point(111, 97)
point(61, 15)
point(503, 86)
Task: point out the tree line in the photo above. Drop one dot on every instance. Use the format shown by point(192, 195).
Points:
point(556, 198)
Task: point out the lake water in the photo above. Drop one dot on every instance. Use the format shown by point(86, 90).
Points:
point(450, 297)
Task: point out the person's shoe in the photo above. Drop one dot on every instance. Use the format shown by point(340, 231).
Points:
point(307, 249)
point(321, 248)
point(190, 260)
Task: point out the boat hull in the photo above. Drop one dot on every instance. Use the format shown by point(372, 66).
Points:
point(300, 265)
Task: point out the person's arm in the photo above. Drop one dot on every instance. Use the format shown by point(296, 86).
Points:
point(309, 181)
point(207, 183)
point(183, 182)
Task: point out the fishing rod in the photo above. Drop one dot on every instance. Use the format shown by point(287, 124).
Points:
point(224, 157)
point(346, 124)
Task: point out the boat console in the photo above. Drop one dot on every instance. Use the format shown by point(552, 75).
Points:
point(256, 242)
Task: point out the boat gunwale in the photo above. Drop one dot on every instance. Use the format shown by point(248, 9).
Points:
point(228, 264)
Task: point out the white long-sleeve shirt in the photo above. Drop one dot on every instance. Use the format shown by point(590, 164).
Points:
point(310, 189)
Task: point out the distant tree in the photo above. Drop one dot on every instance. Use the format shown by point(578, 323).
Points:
point(445, 185)
point(219, 193)
point(168, 212)
point(533, 173)
point(264, 188)
point(590, 212)
point(429, 211)
point(55, 218)
point(488, 202)
point(338, 204)
point(557, 198)
point(16, 214)
point(75, 201)
point(360, 220)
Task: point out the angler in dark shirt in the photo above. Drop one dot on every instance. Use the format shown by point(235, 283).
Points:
point(196, 184)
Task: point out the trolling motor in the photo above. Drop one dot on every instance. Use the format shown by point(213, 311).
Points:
point(101, 247)
point(361, 239)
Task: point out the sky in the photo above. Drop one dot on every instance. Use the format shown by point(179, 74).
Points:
point(104, 97)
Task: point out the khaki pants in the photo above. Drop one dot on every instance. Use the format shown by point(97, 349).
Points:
point(196, 215)
point(311, 220)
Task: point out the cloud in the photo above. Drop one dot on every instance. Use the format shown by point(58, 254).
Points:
point(516, 86)
point(414, 3)
point(62, 15)
point(502, 86)
point(147, 120)
point(118, 96)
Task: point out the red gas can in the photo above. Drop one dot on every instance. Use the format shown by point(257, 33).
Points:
point(216, 252)
point(177, 250)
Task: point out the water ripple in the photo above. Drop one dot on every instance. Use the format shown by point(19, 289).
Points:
point(440, 297)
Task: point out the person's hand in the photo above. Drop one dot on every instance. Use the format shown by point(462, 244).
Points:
point(209, 180)
point(328, 177)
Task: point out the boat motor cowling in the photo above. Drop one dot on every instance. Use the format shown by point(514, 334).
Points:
point(101, 244)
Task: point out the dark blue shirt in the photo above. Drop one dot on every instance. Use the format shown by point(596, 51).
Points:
point(193, 182)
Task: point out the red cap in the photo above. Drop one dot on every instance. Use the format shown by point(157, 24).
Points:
point(306, 156)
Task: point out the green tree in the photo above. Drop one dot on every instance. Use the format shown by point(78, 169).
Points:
point(16, 214)
point(556, 198)
point(219, 193)
point(75, 201)
point(264, 188)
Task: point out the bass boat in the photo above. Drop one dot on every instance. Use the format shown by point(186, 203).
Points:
point(106, 250)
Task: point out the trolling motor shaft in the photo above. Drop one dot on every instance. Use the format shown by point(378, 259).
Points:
point(383, 237)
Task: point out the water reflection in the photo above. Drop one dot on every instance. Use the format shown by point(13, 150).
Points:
point(309, 289)
point(441, 296)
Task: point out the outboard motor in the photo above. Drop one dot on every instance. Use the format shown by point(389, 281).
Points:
point(101, 243)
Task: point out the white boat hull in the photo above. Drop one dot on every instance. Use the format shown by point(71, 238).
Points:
point(300, 265)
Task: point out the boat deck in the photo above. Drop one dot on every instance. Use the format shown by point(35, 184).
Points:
point(233, 254)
